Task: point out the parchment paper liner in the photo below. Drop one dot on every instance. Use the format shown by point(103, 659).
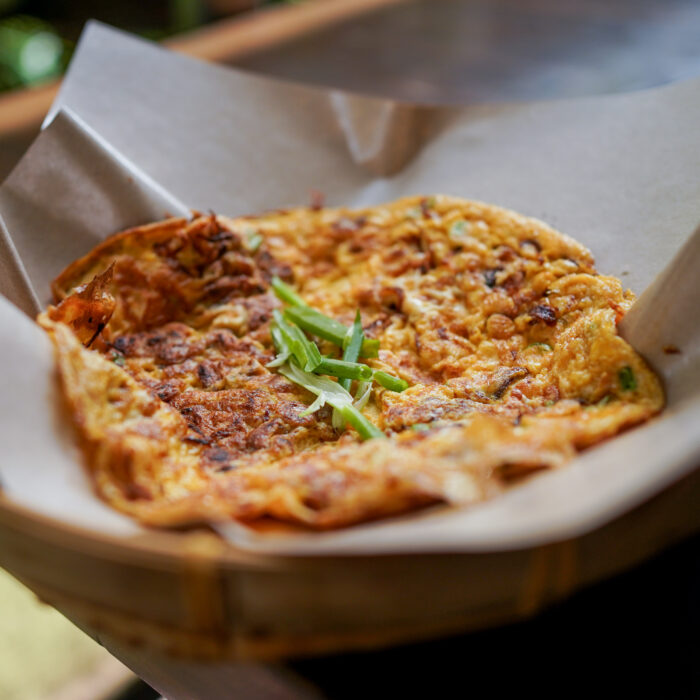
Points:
point(137, 132)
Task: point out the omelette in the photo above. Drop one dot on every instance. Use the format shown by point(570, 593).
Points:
point(485, 350)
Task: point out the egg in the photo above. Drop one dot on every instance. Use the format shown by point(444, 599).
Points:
point(502, 328)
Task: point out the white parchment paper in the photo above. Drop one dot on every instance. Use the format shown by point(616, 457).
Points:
point(138, 132)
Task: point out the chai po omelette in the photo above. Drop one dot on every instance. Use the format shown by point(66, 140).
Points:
point(499, 326)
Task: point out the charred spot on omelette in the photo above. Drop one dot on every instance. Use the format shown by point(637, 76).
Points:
point(501, 326)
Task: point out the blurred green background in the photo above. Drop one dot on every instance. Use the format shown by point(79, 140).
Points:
point(37, 37)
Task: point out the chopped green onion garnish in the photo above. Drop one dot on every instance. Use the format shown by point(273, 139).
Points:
point(364, 389)
point(315, 322)
point(319, 324)
point(458, 229)
point(278, 361)
point(313, 354)
point(364, 427)
point(627, 379)
point(304, 351)
point(284, 352)
point(118, 359)
point(352, 354)
point(298, 357)
point(420, 427)
point(285, 292)
point(332, 393)
point(353, 348)
point(319, 402)
point(343, 369)
point(337, 421)
point(254, 241)
point(287, 335)
point(389, 381)
point(278, 340)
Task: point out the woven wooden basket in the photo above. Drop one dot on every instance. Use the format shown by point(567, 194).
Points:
point(191, 595)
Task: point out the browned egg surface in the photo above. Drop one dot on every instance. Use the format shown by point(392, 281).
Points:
point(502, 327)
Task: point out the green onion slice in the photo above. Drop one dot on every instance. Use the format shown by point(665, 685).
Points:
point(319, 324)
point(285, 292)
point(118, 359)
point(628, 381)
point(389, 381)
point(254, 241)
point(315, 322)
point(355, 336)
point(344, 370)
point(458, 229)
point(302, 349)
point(362, 394)
point(284, 352)
point(332, 393)
point(353, 347)
point(364, 427)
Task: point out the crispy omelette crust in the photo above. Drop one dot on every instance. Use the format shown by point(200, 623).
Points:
point(501, 325)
